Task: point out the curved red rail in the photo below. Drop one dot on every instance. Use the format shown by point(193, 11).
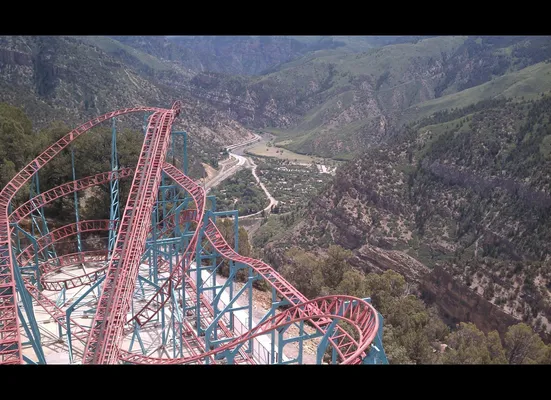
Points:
point(48, 283)
point(54, 265)
point(67, 188)
point(358, 313)
point(10, 341)
point(281, 285)
point(348, 349)
point(63, 232)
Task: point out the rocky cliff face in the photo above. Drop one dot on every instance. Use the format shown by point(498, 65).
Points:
point(458, 303)
point(235, 55)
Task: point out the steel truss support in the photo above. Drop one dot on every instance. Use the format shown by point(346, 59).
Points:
point(206, 274)
point(136, 335)
point(72, 307)
point(201, 310)
point(34, 277)
point(322, 347)
point(29, 323)
point(200, 255)
point(136, 331)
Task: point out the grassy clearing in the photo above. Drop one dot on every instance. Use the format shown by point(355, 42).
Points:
point(274, 131)
point(276, 152)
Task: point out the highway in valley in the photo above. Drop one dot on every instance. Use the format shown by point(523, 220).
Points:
point(238, 162)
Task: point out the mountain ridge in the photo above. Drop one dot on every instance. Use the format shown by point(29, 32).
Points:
point(67, 79)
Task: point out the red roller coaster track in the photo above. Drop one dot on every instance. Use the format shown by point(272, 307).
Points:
point(114, 303)
point(10, 340)
point(103, 340)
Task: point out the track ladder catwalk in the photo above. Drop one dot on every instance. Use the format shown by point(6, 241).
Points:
point(122, 272)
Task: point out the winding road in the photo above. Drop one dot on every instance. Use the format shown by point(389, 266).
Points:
point(242, 162)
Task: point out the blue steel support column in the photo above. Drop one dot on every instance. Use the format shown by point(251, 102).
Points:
point(324, 341)
point(34, 340)
point(174, 316)
point(75, 195)
point(169, 249)
point(198, 269)
point(114, 212)
point(281, 342)
point(272, 334)
point(213, 325)
point(302, 336)
point(163, 334)
point(32, 327)
point(71, 308)
point(61, 298)
point(136, 334)
point(232, 267)
point(266, 316)
point(376, 354)
point(35, 183)
point(300, 342)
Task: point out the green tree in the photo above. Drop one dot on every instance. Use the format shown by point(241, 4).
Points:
point(384, 288)
point(304, 272)
point(353, 284)
point(524, 346)
point(394, 350)
point(467, 345)
point(17, 141)
point(413, 327)
point(334, 265)
point(497, 353)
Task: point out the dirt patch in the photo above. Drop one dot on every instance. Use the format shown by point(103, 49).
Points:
point(210, 171)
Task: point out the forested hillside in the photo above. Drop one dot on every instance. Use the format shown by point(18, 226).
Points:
point(463, 198)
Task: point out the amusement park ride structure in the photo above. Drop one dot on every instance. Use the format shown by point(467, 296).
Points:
point(153, 280)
